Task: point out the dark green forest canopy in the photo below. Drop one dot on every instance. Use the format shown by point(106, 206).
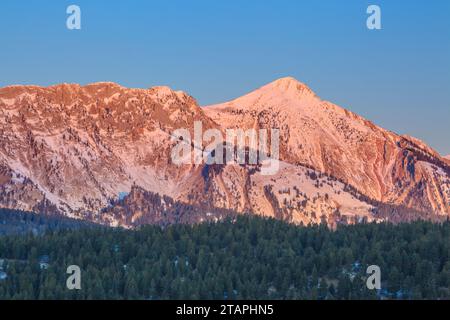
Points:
point(21, 222)
point(243, 258)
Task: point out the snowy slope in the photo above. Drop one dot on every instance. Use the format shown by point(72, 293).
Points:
point(76, 149)
point(382, 165)
point(79, 147)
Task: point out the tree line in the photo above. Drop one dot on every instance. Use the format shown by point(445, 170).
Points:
point(240, 258)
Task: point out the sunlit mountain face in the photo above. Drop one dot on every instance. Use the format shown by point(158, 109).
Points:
point(102, 153)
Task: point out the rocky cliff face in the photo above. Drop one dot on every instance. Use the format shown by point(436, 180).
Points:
point(380, 164)
point(80, 150)
point(79, 147)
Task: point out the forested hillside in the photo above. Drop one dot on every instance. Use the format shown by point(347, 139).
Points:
point(20, 222)
point(251, 258)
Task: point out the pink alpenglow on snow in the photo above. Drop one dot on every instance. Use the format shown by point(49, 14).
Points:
point(77, 149)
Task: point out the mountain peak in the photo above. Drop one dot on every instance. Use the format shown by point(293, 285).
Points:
point(103, 84)
point(286, 81)
point(283, 92)
point(163, 92)
point(288, 84)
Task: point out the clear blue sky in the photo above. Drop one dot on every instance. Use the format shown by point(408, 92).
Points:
point(216, 50)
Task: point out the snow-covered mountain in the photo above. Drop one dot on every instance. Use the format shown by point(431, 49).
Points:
point(380, 164)
point(74, 149)
point(102, 152)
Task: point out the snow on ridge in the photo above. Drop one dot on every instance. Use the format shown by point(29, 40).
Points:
point(8, 102)
point(280, 92)
point(97, 165)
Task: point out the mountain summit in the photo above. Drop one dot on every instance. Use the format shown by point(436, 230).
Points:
point(101, 152)
point(382, 165)
point(287, 85)
point(282, 93)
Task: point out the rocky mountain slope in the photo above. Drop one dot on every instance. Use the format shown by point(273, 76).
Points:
point(380, 164)
point(102, 152)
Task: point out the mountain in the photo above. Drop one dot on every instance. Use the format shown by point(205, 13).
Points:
point(102, 152)
point(73, 149)
point(380, 164)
